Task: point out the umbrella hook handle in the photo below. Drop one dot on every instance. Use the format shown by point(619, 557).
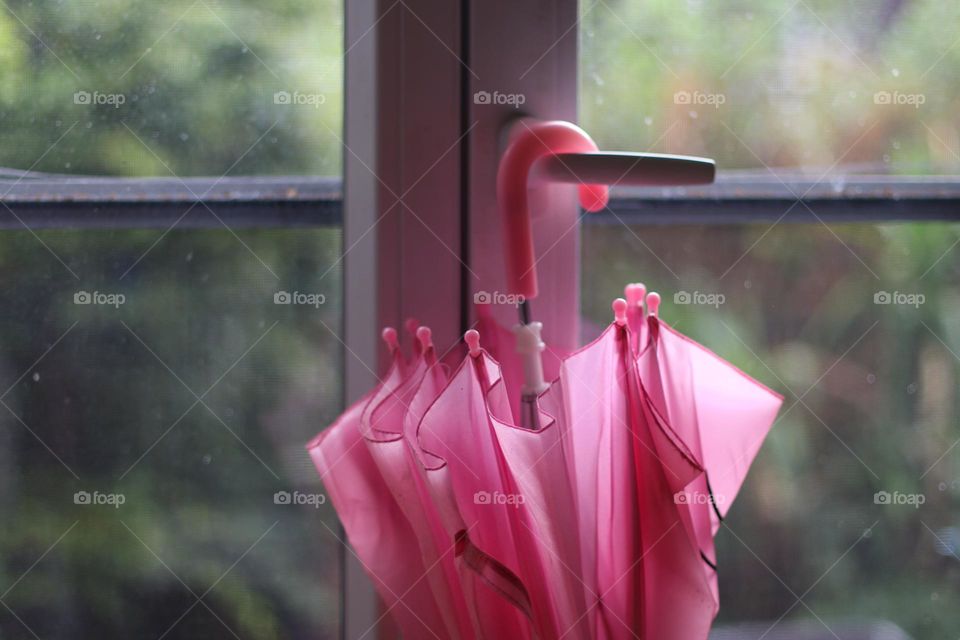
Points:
point(529, 141)
point(561, 152)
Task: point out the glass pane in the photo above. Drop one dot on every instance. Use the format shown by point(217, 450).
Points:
point(157, 393)
point(139, 88)
point(857, 86)
point(852, 503)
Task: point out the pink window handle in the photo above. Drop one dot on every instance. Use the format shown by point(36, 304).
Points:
point(559, 151)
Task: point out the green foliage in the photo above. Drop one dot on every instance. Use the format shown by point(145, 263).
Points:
point(197, 82)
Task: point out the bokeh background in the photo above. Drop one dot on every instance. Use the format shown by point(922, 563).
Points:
point(104, 399)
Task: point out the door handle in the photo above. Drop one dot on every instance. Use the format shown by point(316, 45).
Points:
point(624, 168)
point(561, 152)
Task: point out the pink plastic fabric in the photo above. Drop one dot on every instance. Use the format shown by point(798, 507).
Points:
point(378, 530)
point(721, 414)
point(598, 525)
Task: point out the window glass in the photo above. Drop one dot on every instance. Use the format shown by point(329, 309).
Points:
point(848, 518)
point(157, 393)
point(856, 87)
point(186, 88)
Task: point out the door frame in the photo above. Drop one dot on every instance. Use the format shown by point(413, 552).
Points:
point(421, 147)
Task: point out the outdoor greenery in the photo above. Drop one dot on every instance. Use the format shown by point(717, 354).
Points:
point(870, 85)
point(115, 399)
point(206, 87)
point(189, 87)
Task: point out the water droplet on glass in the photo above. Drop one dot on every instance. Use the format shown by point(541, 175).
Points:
point(36, 377)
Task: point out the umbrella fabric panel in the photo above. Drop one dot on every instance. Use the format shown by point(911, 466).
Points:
point(457, 430)
point(377, 529)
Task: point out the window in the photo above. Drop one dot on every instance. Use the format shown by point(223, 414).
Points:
point(823, 262)
point(190, 295)
point(169, 341)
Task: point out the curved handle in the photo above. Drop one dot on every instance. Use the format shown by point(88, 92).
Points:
point(559, 151)
point(530, 141)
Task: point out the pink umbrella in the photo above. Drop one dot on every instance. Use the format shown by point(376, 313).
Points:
point(473, 527)
point(491, 504)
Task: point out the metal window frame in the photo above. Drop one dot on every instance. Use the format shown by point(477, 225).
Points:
point(303, 202)
point(38, 201)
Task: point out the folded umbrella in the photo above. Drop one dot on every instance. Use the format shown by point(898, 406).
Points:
point(473, 527)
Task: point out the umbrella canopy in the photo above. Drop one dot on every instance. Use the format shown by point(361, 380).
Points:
point(473, 527)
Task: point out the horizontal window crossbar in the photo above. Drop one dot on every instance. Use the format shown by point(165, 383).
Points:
point(739, 199)
point(111, 203)
point(284, 201)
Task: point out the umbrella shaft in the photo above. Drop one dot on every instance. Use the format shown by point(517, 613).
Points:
point(529, 414)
